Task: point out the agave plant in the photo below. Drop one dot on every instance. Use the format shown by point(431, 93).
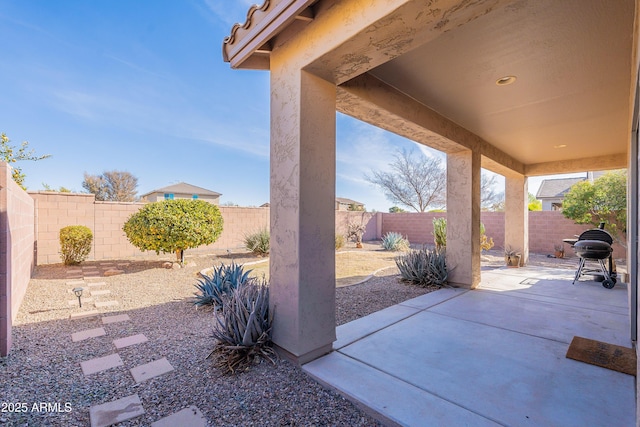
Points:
point(224, 279)
point(423, 267)
point(243, 328)
point(393, 241)
point(258, 242)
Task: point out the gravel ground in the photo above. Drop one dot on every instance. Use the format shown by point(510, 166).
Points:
point(44, 365)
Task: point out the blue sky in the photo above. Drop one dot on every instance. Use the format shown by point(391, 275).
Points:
point(141, 86)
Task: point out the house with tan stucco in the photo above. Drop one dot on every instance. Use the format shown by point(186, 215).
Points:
point(182, 190)
point(520, 88)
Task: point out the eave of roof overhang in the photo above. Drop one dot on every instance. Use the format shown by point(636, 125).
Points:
point(249, 44)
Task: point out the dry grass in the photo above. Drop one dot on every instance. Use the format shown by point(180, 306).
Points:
point(352, 266)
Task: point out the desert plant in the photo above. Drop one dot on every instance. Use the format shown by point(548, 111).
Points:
point(512, 256)
point(258, 242)
point(486, 243)
point(440, 232)
point(339, 241)
point(223, 280)
point(393, 241)
point(75, 243)
point(423, 267)
point(355, 232)
point(243, 328)
point(440, 235)
point(174, 225)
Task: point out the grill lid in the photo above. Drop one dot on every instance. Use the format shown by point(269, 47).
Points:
point(592, 249)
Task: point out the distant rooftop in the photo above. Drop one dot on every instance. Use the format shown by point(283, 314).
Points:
point(554, 188)
point(348, 201)
point(183, 187)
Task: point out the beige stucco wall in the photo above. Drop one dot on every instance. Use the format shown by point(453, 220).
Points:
point(157, 197)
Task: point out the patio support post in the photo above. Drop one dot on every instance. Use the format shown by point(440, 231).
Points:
point(516, 215)
point(463, 218)
point(302, 254)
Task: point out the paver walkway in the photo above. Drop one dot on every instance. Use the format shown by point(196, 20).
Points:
point(129, 407)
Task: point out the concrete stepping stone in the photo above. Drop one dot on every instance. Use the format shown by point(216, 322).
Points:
point(89, 333)
point(127, 341)
point(100, 364)
point(84, 314)
point(113, 272)
point(190, 416)
point(115, 319)
point(96, 284)
point(100, 292)
point(151, 370)
point(116, 411)
point(75, 301)
point(75, 283)
point(106, 304)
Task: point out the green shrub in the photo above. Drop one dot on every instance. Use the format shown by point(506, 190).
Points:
point(75, 244)
point(339, 241)
point(423, 267)
point(223, 280)
point(394, 242)
point(174, 225)
point(243, 328)
point(258, 242)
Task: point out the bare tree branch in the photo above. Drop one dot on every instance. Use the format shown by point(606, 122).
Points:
point(416, 181)
point(117, 186)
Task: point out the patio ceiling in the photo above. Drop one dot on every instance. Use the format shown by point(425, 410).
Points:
point(568, 110)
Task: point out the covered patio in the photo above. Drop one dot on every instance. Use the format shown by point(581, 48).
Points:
point(487, 357)
point(521, 88)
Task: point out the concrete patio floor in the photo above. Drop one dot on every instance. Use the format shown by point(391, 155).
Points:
point(488, 357)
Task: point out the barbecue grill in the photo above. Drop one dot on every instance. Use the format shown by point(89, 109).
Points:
point(595, 245)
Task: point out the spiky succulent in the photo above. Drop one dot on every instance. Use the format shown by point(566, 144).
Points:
point(223, 280)
point(393, 241)
point(243, 328)
point(423, 267)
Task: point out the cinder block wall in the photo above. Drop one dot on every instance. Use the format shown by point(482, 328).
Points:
point(416, 226)
point(369, 219)
point(54, 211)
point(106, 219)
point(546, 228)
point(16, 251)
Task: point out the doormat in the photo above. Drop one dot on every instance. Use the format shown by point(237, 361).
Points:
point(610, 356)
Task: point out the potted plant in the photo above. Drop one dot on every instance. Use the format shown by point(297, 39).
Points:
point(559, 250)
point(512, 257)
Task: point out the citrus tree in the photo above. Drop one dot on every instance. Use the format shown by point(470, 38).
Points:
point(174, 226)
point(604, 200)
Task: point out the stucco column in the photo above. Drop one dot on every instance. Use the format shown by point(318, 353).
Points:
point(516, 216)
point(302, 255)
point(463, 218)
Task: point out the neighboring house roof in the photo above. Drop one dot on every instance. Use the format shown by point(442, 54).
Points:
point(183, 188)
point(348, 201)
point(556, 188)
point(265, 205)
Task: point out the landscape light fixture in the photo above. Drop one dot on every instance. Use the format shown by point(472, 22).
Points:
point(78, 292)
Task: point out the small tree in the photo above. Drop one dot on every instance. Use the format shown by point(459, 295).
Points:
point(11, 154)
point(416, 181)
point(115, 186)
point(395, 209)
point(174, 225)
point(534, 204)
point(604, 200)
